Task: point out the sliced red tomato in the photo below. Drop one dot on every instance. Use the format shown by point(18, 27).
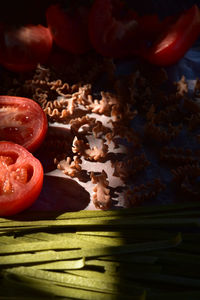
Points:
point(69, 27)
point(176, 39)
point(21, 178)
point(112, 29)
point(22, 121)
point(22, 48)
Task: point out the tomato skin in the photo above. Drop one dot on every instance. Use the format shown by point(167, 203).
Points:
point(69, 29)
point(21, 49)
point(176, 40)
point(22, 193)
point(22, 121)
point(111, 35)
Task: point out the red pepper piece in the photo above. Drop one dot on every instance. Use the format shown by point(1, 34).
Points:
point(176, 40)
point(150, 26)
point(69, 27)
point(112, 28)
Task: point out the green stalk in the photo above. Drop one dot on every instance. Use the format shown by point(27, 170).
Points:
point(174, 257)
point(129, 222)
point(62, 265)
point(46, 256)
point(51, 288)
point(154, 209)
point(58, 244)
point(185, 295)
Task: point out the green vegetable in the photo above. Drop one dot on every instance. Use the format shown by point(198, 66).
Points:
point(125, 254)
point(45, 256)
point(51, 288)
point(62, 265)
point(186, 295)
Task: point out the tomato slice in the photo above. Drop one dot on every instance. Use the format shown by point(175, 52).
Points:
point(69, 27)
point(21, 178)
point(112, 30)
point(22, 121)
point(173, 43)
point(22, 48)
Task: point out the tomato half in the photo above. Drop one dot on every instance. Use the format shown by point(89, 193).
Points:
point(22, 48)
point(69, 27)
point(112, 28)
point(22, 121)
point(21, 178)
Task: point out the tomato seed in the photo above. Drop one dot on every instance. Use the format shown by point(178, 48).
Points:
point(6, 160)
point(21, 175)
point(7, 187)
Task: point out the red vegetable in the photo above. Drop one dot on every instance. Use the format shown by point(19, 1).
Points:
point(176, 40)
point(22, 48)
point(69, 27)
point(112, 28)
point(150, 26)
point(22, 121)
point(21, 178)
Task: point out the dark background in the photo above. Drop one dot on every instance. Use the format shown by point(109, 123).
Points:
point(22, 12)
point(29, 11)
point(162, 7)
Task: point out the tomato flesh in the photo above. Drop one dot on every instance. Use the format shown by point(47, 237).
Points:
point(22, 121)
point(20, 175)
point(21, 178)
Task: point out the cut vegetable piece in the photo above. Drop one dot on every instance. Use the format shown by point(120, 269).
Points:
point(61, 291)
point(22, 121)
point(108, 222)
point(112, 29)
point(130, 258)
point(71, 280)
point(177, 39)
point(131, 234)
point(69, 27)
point(62, 265)
point(20, 182)
point(46, 256)
point(22, 48)
point(194, 295)
point(146, 210)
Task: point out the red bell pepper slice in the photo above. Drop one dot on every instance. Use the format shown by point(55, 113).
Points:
point(69, 27)
point(112, 28)
point(118, 31)
point(150, 26)
point(176, 40)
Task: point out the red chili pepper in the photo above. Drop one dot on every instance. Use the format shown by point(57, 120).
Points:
point(176, 40)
